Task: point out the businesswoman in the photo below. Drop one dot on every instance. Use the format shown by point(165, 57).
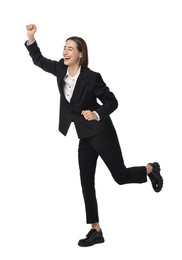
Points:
point(79, 89)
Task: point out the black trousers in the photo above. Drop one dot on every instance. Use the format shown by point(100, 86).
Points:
point(105, 145)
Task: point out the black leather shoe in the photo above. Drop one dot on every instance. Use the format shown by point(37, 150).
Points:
point(93, 237)
point(155, 177)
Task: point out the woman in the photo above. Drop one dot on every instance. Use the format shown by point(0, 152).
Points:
point(79, 89)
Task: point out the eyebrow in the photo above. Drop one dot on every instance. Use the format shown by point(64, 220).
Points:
point(69, 47)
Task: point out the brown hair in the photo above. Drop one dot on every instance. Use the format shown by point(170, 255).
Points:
point(82, 47)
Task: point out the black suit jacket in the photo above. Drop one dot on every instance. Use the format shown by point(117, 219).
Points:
point(89, 87)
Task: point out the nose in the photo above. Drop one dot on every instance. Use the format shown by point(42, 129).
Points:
point(65, 52)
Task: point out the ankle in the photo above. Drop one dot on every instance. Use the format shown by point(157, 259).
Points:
point(96, 226)
point(148, 169)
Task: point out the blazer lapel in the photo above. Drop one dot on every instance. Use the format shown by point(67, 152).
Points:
point(61, 81)
point(80, 86)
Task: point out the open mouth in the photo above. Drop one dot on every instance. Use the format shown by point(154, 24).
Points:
point(66, 58)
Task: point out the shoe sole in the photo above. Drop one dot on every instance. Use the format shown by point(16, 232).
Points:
point(157, 186)
point(93, 243)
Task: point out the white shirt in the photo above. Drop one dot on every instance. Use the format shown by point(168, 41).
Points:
point(69, 86)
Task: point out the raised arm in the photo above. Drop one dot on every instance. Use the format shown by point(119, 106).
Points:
point(48, 65)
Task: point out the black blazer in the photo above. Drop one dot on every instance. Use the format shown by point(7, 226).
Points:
point(89, 87)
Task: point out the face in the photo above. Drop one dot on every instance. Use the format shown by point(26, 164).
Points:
point(71, 54)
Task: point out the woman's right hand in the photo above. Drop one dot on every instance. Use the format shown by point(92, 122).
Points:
point(31, 29)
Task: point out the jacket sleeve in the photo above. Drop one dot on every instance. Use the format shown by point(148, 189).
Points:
point(39, 60)
point(108, 99)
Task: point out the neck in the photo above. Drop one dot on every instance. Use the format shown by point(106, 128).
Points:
point(73, 70)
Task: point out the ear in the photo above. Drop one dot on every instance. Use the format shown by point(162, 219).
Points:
point(80, 55)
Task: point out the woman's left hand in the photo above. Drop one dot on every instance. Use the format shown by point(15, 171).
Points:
point(89, 115)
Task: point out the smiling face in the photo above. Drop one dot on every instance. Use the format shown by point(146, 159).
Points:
point(71, 54)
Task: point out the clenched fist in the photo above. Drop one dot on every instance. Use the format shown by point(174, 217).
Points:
point(31, 29)
point(89, 115)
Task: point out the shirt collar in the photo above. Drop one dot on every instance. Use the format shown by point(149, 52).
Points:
point(76, 75)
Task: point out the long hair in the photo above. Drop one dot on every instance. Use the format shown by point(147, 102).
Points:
point(82, 47)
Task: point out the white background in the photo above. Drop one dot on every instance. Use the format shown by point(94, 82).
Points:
point(136, 46)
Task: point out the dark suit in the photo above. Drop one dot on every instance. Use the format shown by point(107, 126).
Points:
point(97, 138)
point(89, 87)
